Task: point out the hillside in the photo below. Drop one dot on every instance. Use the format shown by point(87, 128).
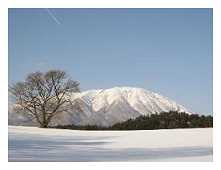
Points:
point(163, 120)
point(37, 144)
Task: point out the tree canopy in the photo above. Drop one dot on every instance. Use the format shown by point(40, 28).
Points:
point(41, 96)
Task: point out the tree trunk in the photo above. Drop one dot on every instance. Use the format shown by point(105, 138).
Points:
point(43, 125)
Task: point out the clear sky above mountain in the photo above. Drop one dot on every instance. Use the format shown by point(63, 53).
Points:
point(168, 51)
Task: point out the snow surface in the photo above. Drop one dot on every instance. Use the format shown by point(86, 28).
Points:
point(36, 144)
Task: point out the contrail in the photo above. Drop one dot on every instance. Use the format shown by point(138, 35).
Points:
point(53, 16)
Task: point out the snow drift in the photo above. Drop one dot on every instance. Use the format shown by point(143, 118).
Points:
point(106, 107)
point(37, 144)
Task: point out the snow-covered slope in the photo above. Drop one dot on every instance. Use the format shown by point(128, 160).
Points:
point(108, 106)
point(37, 144)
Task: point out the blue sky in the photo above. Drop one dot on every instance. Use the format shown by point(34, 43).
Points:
point(168, 51)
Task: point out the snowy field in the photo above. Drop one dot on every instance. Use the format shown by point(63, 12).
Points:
point(35, 144)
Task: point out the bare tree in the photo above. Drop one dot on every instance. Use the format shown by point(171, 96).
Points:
point(43, 95)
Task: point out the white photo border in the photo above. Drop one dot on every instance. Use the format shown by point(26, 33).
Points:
point(4, 5)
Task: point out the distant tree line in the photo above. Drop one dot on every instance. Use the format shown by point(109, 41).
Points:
point(163, 120)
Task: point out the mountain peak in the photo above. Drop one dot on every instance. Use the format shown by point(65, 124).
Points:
point(108, 106)
point(105, 107)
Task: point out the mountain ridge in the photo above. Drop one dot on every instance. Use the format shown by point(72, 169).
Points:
point(109, 106)
point(105, 107)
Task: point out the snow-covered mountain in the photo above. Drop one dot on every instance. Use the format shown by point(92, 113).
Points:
point(108, 106)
